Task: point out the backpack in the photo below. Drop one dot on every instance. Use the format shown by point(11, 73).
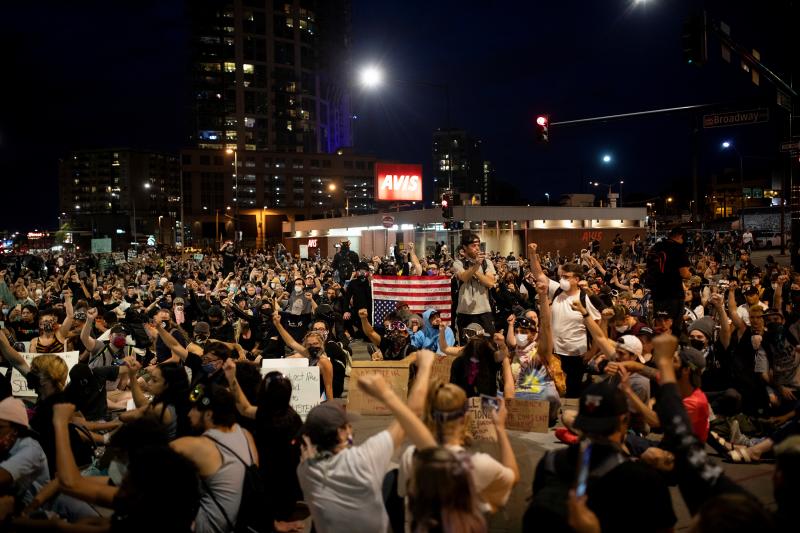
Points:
point(655, 262)
point(254, 514)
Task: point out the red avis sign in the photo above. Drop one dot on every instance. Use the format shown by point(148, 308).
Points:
point(395, 181)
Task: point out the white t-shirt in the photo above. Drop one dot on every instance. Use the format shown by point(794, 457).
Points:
point(344, 492)
point(569, 331)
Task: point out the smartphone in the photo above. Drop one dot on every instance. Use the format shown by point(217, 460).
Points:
point(489, 402)
point(582, 477)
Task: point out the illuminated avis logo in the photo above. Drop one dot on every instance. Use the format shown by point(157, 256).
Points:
point(398, 182)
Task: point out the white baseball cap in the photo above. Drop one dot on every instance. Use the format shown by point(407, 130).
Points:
point(631, 344)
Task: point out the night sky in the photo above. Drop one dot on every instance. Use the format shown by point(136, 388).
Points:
point(102, 74)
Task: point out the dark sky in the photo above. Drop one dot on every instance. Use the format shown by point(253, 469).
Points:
point(98, 74)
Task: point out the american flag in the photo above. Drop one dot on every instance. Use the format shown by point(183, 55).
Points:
point(419, 292)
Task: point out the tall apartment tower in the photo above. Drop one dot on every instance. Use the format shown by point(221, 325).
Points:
point(270, 75)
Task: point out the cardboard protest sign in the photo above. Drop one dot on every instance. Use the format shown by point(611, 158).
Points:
point(528, 415)
point(441, 367)
point(479, 423)
point(305, 385)
point(394, 372)
point(19, 385)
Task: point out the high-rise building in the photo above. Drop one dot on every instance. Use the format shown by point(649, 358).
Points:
point(457, 160)
point(270, 75)
point(121, 193)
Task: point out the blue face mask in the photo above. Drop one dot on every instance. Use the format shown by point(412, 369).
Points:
point(209, 368)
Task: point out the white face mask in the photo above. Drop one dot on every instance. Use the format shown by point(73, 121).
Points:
point(621, 329)
point(564, 284)
point(522, 339)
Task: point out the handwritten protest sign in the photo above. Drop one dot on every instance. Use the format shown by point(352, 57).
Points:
point(198, 257)
point(19, 385)
point(131, 254)
point(479, 423)
point(305, 385)
point(285, 362)
point(528, 415)
point(394, 372)
point(118, 257)
point(441, 368)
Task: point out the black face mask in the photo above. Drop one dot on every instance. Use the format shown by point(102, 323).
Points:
point(313, 352)
point(697, 344)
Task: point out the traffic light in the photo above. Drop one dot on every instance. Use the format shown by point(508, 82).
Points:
point(542, 128)
point(693, 40)
point(447, 206)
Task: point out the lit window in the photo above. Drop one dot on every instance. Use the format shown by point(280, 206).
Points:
point(289, 125)
point(230, 67)
point(247, 68)
point(289, 22)
point(249, 122)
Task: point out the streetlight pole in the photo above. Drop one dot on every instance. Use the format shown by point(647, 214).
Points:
point(547, 195)
point(133, 206)
point(725, 146)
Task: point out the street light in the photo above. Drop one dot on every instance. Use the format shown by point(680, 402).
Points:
point(371, 77)
point(332, 187)
point(547, 195)
point(606, 158)
point(729, 145)
point(609, 185)
point(133, 205)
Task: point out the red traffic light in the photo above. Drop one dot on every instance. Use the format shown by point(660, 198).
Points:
point(541, 120)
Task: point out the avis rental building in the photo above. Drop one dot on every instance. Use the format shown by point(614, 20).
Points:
point(503, 228)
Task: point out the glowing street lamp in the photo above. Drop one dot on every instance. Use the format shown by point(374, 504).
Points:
point(606, 158)
point(371, 77)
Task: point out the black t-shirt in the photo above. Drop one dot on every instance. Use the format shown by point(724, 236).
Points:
point(667, 284)
point(647, 502)
point(228, 261)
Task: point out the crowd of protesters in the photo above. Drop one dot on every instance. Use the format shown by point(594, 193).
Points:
point(675, 351)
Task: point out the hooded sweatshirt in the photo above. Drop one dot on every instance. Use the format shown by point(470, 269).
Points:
point(428, 336)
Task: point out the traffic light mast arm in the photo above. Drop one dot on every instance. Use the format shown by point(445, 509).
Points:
point(627, 115)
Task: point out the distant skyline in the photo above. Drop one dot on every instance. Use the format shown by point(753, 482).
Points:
point(103, 74)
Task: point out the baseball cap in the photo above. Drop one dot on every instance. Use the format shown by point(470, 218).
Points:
point(599, 409)
point(202, 328)
point(641, 329)
point(751, 290)
point(630, 344)
point(325, 419)
point(13, 410)
point(178, 301)
point(692, 357)
point(664, 315)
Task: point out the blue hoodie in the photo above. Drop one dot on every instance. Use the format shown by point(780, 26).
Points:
point(428, 336)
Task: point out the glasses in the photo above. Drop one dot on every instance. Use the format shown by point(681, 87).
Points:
point(398, 326)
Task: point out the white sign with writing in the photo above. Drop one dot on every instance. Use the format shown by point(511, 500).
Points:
point(305, 385)
point(277, 364)
point(19, 385)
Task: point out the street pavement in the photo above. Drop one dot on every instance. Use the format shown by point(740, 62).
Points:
point(530, 447)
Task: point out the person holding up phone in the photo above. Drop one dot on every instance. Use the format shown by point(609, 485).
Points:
point(602, 420)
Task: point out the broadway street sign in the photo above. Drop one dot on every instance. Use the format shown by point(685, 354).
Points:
point(736, 118)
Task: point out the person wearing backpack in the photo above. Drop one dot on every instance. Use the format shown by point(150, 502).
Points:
point(223, 454)
point(667, 268)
